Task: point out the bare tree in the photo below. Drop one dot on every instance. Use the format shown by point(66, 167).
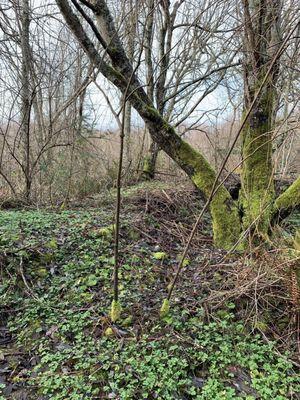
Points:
point(44, 104)
point(185, 59)
point(117, 68)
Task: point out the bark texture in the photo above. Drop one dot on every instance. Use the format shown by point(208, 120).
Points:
point(25, 94)
point(261, 43)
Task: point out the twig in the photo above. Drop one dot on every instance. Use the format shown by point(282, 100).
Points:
point(21, 269)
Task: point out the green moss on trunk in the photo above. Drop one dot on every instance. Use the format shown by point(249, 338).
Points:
point(148, 171)
point(224, 211)
point(149, 162)
point(290, 198)
point(257, 193)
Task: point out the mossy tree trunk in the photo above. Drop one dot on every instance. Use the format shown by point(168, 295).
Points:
point(257, 191)
point(261, 41)
point(288, 200)
point(224, 211)
point(149, 162)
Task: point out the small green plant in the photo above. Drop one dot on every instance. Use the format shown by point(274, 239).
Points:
point(165, 308)
point(115, 311)
point(160, 255)
point(107, 231)
point(2, 386)
point(79, 354)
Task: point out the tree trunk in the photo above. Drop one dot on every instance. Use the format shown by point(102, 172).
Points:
point(288, 200)
point(224, 211)
point(257, 175)
point(149, 162)
point(130, 35)
point(261, 43)
point(127, 133)
point(25, 94)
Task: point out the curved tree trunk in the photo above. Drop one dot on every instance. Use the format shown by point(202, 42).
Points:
point(224, 211)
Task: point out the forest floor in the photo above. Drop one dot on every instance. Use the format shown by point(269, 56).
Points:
point(232, 328)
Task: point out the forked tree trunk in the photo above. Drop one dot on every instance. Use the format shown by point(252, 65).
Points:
point(224, 211)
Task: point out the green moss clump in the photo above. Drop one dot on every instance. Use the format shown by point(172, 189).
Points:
point(42, 272)
point(109, 332)
point(160, 255)
point(115, 311)
point(107, 232)
point(165, 308)
point(52, 244)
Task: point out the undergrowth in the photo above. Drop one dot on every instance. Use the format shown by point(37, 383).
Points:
point(55, 295)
